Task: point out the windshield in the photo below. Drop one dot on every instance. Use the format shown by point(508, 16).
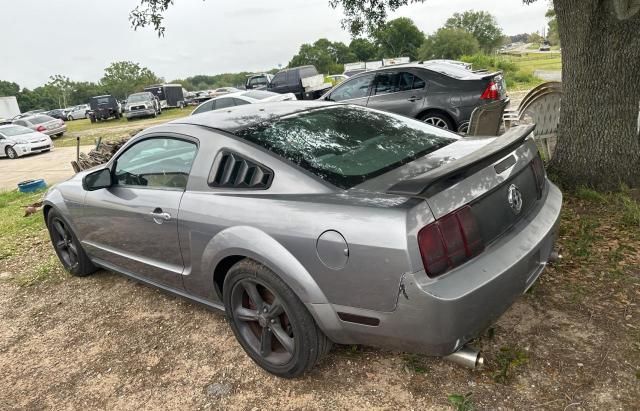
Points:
point(134, 98)
point(15, 131)
point(259, 94)
point(347, 145)
point(40, 119)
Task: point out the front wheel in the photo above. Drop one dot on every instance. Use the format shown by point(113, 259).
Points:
point(67, 246)
point(272, 325)
point(11, 153)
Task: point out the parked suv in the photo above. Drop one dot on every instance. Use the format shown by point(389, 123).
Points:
point(305, 82)
point(440, 94)
point(103, 108)
point(143, 104)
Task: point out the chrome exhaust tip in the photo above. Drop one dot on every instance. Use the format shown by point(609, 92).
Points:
point(468, 357)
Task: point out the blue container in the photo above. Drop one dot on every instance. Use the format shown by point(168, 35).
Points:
point(30, 186)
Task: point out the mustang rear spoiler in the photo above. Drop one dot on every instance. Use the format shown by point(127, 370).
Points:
point(436, 180)
point(490, 75)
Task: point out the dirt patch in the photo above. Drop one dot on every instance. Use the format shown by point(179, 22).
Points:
point(573, 342)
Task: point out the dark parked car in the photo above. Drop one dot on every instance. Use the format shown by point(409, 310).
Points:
point(310, 223)
point(440, 94)
point(305, 82)
point(58, 113)
point(103, 108)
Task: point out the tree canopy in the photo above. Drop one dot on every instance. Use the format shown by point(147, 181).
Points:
point(481, 25)
point(448, 43)
point(122, 78)
point(398, 38)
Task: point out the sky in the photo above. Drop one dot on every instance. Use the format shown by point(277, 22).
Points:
point(79, 38)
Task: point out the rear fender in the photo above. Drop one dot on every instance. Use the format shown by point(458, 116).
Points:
point(259, 246)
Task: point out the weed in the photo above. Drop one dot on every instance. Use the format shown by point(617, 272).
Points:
point(48, 270)
point(582, 240)
point(416, 363)
point(461, 402)
point(508, 358)
point(630, 211)
point(588, 194)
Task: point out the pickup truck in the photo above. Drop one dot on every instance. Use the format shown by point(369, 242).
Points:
point(304, 81)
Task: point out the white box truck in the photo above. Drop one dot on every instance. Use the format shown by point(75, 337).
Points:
point(9, 107)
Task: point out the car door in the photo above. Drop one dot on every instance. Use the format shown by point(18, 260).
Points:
point(355, 91)
point(399, 92)
point(132, 226)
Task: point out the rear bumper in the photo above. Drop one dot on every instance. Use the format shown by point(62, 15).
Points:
point(59, 130)
point(437, 317)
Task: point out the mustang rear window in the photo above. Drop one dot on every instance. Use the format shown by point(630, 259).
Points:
point(347, 145)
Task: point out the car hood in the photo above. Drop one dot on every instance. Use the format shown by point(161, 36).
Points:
point(34, 137)
point(281, 97)
point(431, 161)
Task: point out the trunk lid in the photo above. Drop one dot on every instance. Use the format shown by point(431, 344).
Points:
point(475, 172)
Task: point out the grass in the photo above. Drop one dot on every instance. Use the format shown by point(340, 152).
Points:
point(508, 359)
point(25, 251)
point(416, 363)
point(518, 69)
point(461, 402)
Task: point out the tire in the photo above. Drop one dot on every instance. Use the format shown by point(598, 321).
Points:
point(293, 343)
point(60, 134)
point(11, 153)
point(67, 247)
point(437, 119)
point(69, 118)
point(93, 119)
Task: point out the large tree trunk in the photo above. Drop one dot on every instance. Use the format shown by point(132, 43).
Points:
point(598, 140)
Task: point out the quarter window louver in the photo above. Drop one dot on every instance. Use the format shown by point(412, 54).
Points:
point(232, 170)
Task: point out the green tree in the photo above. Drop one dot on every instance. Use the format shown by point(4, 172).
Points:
point(552, 30)
point(398, 38)
point(61, 86)
point(83, 91)
point(448, 44)
point(363, 49)
point(9, 88)
point(481, 25)
point(326, 56)
point(125, 77)
point(535, 38)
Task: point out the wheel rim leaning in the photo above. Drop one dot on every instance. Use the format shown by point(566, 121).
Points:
point(262, 321)
point(12, 153)
point(63, 241)
point(437, 122)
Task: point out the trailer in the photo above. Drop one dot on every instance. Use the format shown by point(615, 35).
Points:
point(9, 107)
point(169, 95)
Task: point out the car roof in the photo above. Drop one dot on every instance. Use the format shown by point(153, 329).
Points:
point(30, 117)
point(237, 118)
point(448, 69)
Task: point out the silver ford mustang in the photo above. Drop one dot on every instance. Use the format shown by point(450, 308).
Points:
point(310, 223)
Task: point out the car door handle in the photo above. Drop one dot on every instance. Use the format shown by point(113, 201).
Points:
point(414, 98)
point(159, 217)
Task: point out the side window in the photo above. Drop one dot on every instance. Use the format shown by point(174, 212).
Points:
point(292, 77)
point(418, 83)
point(278, 79)
point(385, 83)
point(224, 103)
point(208, 106)
point(22, 123)
point(239, 102)
point(356, 88)
point(160, 162)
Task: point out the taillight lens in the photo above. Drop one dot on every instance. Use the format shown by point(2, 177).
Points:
point(538, 172)
point(449, 241)
point(491, 92)
point(41, 128)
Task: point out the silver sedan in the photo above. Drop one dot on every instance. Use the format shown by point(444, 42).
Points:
point(311, 223)
point(43, 124)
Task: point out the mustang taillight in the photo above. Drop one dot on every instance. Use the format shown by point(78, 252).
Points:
point(538, 172)
point(449, 241)
point(41, 128)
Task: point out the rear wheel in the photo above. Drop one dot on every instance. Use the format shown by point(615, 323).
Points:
point(437, 119)
point(11, 153)
point(67, 246)
point(270, 322)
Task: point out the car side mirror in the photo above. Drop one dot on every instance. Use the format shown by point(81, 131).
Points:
point(97, 180)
